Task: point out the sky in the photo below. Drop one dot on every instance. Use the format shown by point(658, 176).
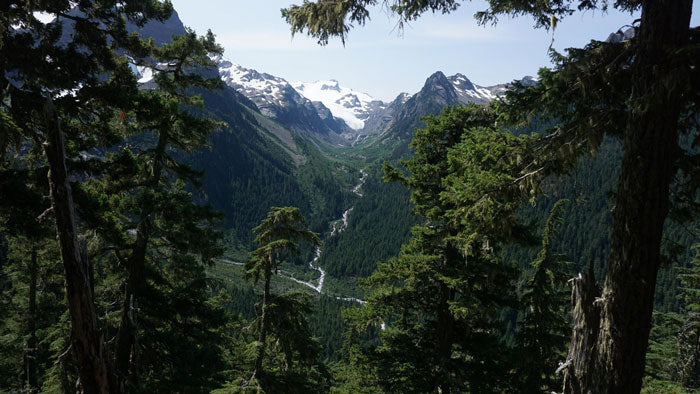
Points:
point(380, 60)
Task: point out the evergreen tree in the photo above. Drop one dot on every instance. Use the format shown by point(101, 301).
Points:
point(644, 90)
point(437, 306)
point(544, 332)
point(71, 101)
point(31, 300)
point(168, 221)
point(673, 356)
point(662, 355)
point(279, 236)
point(58, 87)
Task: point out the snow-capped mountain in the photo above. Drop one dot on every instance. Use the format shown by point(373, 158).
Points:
point(342, 115)
point(437, 92)
point(352, 106)
point(277, 99)
point(467, 92)
point(268, 92)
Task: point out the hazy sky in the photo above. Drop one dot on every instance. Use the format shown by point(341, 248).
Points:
point(378, 60)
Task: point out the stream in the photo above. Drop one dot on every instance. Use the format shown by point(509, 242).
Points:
point(337, 226)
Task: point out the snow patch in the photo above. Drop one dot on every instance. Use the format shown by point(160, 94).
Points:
point(344, 103)
point(145, 73)
point(252, 84)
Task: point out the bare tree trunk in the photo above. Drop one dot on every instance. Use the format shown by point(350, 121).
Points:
point(586, 323)
point(615, 364)
point(87, 342)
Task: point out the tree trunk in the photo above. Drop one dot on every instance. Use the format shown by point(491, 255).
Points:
point(580, 367)
point(87, 342)
point(263, 325)
point(648, 165)
point(125, 353)
point(30, 356)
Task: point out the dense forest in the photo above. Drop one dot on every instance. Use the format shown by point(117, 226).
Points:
point(166, 236)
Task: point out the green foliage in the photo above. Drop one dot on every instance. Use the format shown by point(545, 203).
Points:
point(437, 306)
point(324, 19)
point(673, 358)
point(544, 332)
point(33, 326)
point(378, 224)
point(294, 342)
point(144, 236)
point(279, 236)
point(292, 356)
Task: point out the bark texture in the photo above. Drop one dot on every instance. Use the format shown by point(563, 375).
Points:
point(586, 322)
point(87, 342)
point(615, 363)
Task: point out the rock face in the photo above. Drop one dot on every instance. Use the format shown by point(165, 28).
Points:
point(278, 100)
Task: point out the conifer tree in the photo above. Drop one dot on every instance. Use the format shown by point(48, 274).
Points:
point(31, 299)
point(69, 94)
point(673, 356)
point(543, 334)
point(279, 236)
point(168, 220)
point(55, 87)
point(437, 305)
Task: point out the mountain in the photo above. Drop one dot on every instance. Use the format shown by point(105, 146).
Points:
point(352, 106)
point(439, 90)
point(278, 100)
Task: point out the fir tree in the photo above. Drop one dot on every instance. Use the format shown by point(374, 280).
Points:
point(543, 334)
point(168, 221)
point(673, 356)
point(70, 98)
point(279, 236)
point(64, 87)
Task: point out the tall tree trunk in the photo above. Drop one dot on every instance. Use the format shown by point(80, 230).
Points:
point(30, 356)
point(125, 353)
point(87, 342)
point(647, 169)
point(263, 325)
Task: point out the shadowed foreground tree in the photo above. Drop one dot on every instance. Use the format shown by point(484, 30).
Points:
point(437, 306)
point(71, 102)
point(645, 91)
point(58, 94)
